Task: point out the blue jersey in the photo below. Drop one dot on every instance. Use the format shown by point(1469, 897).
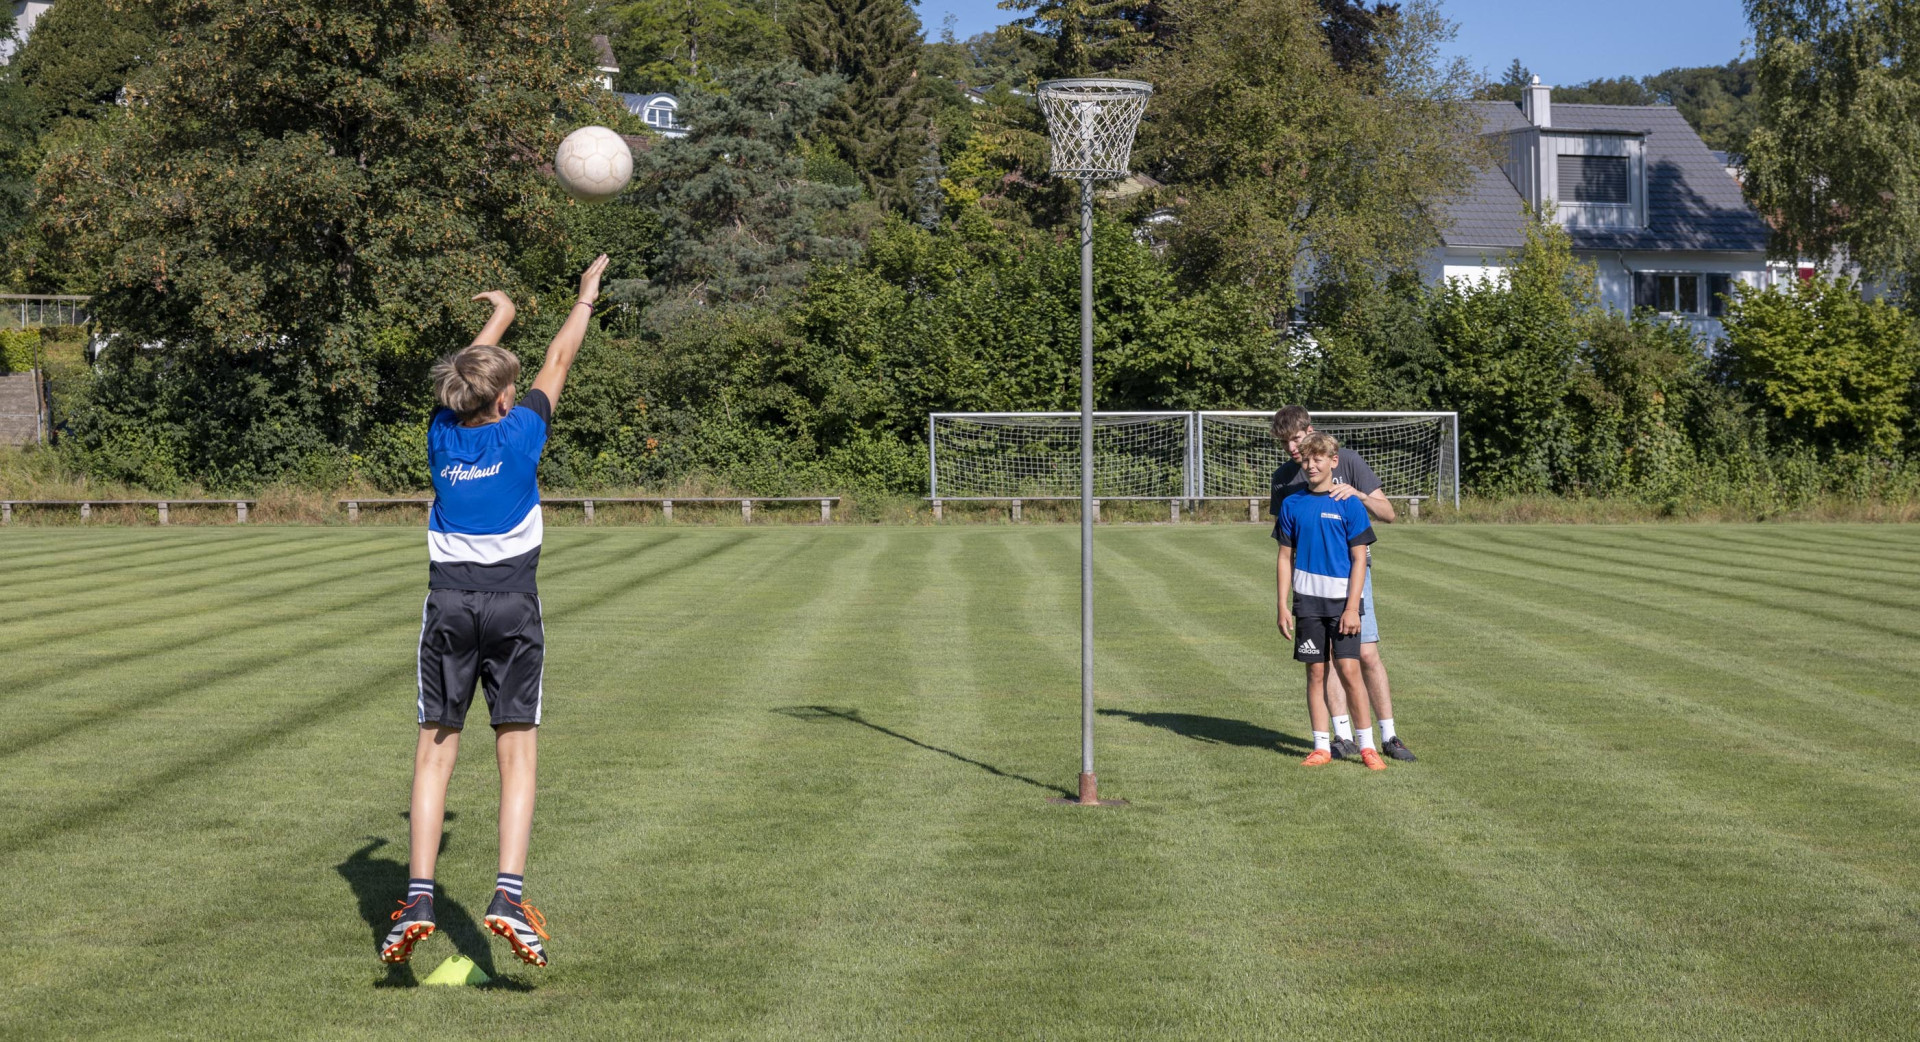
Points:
point(1323, 532)
point(485, 528)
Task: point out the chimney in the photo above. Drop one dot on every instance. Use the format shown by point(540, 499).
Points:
point(1537, 103)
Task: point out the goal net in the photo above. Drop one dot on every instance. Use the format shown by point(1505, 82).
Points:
point(1036, 455)
point(1414, 454)
point(1174, 455)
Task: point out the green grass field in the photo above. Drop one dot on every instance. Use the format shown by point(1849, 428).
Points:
point(795, 781)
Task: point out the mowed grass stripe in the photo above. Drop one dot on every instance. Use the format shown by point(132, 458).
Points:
point(383, 678)
point(112, 546)
point(1770, 793)
point(1801, 717)
point(1847, 605)
point(158, 601)
point(1792, 632)
point(1842, 573)
point(1688, 849)
point(148, 563)
point(220, 739)
point(1789, 547)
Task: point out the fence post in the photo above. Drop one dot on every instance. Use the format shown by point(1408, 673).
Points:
point(666, 507)
point(1016, 510)
point(163, 512)
point(589, 505)
point(353, 510)
point(1096, 511)
point(6, 513)
point(1413, 509)
point(746, 511)
point(1253, 511)
point(240, 511)
point(937, 512)
point(86, 511)
point(826, 511)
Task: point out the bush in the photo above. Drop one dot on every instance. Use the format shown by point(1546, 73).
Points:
point(17, 348)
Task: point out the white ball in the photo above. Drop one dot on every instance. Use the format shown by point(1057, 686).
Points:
point(594, 164)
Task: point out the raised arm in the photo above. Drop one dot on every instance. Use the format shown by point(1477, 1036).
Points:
point(503, 313)
point(566, 343)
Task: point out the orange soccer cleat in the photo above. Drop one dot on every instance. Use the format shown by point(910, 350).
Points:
point(1316, 758)
point(1372, 759)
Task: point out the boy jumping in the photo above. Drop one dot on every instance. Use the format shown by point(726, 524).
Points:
point(1322, 571)
point(481, 620)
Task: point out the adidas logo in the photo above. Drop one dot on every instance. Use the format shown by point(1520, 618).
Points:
point(1307, 648)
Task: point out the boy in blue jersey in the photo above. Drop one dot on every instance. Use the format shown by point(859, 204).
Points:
point(481, 621)
point(1322, 572)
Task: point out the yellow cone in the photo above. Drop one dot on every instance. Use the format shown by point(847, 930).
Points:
point(457, 972)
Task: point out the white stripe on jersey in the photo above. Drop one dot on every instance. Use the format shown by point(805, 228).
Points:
point(1310, 584)
point(454, 548)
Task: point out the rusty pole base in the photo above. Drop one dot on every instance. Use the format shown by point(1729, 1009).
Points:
point(1089, 795)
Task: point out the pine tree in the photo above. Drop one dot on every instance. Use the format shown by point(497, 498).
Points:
point(929, 200)
point(1080, 37)
point(82, 52)
point(741, 220)
point(873, 46)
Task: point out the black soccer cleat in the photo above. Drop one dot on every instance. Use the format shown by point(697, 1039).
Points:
point(1345, 749)
point(1397, 749)
point(412, 924)
point(521, 924)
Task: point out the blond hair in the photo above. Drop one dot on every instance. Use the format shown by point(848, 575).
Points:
point(1319, 445)
point(470, 379)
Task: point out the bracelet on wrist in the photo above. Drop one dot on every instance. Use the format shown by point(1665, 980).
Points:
point(588, 303)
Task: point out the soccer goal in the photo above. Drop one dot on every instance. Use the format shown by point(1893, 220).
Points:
point(1176, 455)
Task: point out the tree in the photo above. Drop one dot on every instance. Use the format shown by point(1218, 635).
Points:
point(1718, 100)
point(873, 47)
point(1835, 158)
point(667, 45)
point(1508, 87)
point(82, 53)
point(1620, 90)
point(1830, 367)
point(1077, 37)
point(1288, 163)
point(19, 124)
point(305, 197)
point(741, 223)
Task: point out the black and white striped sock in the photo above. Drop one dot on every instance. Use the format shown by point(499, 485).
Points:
point(418, 887)
point(511, 883)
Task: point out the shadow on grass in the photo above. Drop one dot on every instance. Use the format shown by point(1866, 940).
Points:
point(1217, 730)
point(379, 883)
point(853, 716)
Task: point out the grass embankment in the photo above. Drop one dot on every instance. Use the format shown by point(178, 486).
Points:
point(795, 781)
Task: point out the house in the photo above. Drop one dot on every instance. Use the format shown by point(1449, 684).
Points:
point(25, 13)
point(1642, 198)
point(659, 111)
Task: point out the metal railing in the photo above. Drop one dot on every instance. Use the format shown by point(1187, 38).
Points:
point(33, 310)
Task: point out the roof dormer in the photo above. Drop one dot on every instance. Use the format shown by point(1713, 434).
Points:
point(1593, 179)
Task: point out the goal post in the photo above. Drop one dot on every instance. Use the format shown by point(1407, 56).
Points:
point(1220, 454)
point(1413, 453)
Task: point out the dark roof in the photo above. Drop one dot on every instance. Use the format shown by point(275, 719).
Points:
point(603, 53)
point(1692, 204)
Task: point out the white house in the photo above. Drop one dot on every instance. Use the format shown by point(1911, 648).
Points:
point(1643, 199)
point(25, 13)
point(659, 111)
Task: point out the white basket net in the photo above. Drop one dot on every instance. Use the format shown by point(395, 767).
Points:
point(1091, 124)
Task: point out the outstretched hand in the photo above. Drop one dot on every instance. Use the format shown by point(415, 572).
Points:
point(590, 279)
point(503, 313)
point(497, 298)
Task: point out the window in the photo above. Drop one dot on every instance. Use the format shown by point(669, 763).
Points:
point(1595, 179)
point(1678, 294)
point(659, 114)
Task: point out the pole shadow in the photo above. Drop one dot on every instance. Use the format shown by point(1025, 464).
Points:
point(853, 716)
point(378, 885)
point(1217, 730)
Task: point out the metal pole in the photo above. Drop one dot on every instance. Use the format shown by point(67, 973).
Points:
point(1089, 787)
point(933, 459)
point(1456, 461)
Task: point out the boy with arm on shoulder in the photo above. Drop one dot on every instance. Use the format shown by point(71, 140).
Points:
point(481, 622)
point(1320, 578)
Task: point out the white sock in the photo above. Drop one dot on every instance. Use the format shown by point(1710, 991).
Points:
point(1322, 740)
point(1366, 738)
point(1386, 730)
point(1343, 726)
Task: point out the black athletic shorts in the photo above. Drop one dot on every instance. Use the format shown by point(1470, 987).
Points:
point(1317, 639)
point(494, 638)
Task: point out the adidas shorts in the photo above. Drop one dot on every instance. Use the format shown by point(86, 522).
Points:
point(1319, 639)
point(492, 638)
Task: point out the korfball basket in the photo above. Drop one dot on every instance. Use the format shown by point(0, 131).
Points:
point(1091, 124)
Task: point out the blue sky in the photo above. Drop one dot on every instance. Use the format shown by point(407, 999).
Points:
point(1563, 41)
